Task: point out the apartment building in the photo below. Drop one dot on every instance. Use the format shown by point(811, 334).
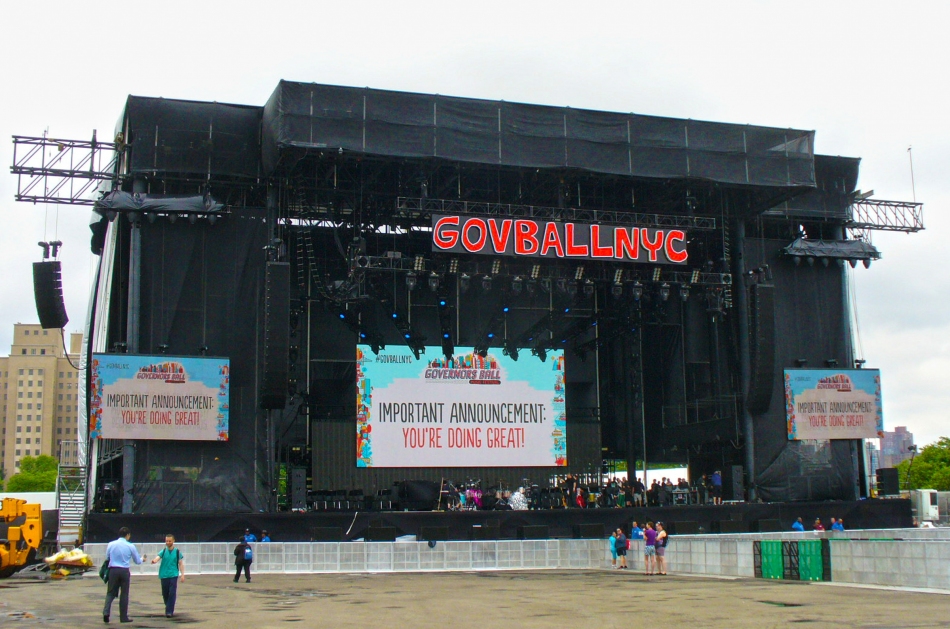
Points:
point(39, 383)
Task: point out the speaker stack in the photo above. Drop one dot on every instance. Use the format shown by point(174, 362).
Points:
point(762, 347)
point(276, 335)
point(48, 291)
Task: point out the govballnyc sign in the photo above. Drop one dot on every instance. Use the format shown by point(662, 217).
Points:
point(549, 239)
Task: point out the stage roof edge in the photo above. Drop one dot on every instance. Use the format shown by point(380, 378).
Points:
point(411, 125)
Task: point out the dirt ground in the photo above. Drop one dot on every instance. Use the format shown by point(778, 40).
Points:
point(590, 598)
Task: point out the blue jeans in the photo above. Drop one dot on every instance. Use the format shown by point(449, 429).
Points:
point(169, 593)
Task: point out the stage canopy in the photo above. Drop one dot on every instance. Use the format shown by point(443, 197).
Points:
point(401, 124)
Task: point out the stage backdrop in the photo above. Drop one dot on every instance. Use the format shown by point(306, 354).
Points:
point(159, 397)
point(469, 411)
point(833, 403)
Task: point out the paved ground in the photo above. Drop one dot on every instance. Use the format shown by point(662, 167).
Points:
point(588, 599)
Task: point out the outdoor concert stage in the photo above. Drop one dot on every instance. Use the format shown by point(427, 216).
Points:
point(458, 525)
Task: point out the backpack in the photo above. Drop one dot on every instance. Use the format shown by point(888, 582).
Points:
point(666, 540)
point(248, 554)
point(104, 571)
point(628, 544)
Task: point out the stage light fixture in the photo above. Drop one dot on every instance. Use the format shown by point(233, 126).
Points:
point(163, 348)
point(192, 218)
point(798, 260)
point(684, 292)
point(618, 276)
point(859, 363)
point(561, 285)
point(510, 350)
point(464, 281)
point(505, 309)
point(433, 281)
point(486, 283)
point(535, 271)
point(657, 272)
point(831, 362)
point(546, 284)
point(454, 265)
point(579, 273)
point(531, 286)
point(572, 288)
point(853, 263)
point(637, 290)
point(411, 281)
point(496, 267)
point(490, 335)
point(664, 291)
point(695, 277)
point(811, 260)
point(588, 287)
point(801, 362)
point(867, 263)
point(395, 315)
point(567, 310)
point(617, 289)
point(516, 285)
point(171, 218)
point(442, 302)
point(203, 350)
point(419, 264)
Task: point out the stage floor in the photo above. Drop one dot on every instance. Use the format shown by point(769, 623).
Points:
point(317, 526)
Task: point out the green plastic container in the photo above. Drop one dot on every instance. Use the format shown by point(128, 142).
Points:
point(772, 565)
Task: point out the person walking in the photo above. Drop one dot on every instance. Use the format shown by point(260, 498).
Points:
point(120, 552)
point(243, 556)
point(170, 572)
point(661, 538)
point(649, 549)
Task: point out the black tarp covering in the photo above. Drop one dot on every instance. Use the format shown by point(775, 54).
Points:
point(188, 137)
point(835, 249)
point(835, 179)
point(810, 323)
point(300, 527)
point(400, 124)
point(120, 201)
point(201, 288)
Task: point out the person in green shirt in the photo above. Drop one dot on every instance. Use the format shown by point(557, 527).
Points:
point(170, 572)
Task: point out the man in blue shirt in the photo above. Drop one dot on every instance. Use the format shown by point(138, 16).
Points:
point(716, 481)
point(249, 537)
point(264, 536)
point(798, 526)
point(837, 525)
point(120, 553)
point(635, 531)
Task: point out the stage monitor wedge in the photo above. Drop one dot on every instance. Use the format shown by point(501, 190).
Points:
point(48, 291)
point(276, 335)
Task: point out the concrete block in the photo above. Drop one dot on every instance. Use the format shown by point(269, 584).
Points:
point(326, 556)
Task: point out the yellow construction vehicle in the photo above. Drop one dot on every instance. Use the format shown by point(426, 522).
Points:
point(24, 524)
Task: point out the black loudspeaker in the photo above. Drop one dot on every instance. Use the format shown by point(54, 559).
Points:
point(276, 335)
point(888, 483)
point(485, 532)
point(326, 534)
point(380, 534)
point(533, 532)
point(769, 526)
point(48, 291)
point(737, 484)
point(589, 531)
point(761, 347)
point(683, 528)
point(434, 533)
point(298, 488)
point(730, 526)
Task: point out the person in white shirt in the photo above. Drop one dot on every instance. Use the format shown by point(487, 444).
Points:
point(120, 553)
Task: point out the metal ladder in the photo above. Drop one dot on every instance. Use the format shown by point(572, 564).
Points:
point(71, 491)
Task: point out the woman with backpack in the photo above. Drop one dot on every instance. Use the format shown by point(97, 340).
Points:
point(243, 556)
point(661, 539)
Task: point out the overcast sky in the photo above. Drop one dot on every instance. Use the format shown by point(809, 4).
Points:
point(869, 77)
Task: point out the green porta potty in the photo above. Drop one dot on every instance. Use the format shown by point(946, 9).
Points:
point(810, 564)
point(772, 564)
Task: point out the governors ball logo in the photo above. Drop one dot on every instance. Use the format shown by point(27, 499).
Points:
point(169, 372)
point(470, 368)
point(839, 382)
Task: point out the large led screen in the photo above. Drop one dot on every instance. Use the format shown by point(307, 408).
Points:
point(833, 403)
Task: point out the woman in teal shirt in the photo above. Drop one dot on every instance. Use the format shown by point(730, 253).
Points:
point(170, 572)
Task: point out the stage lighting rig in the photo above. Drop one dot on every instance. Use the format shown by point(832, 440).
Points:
point(636, 290)
point(411, 280)
point(433, 281)
point(464, 281)
point(588, 287)
point(486, 283)
point(516, 284)
point(664, 291)
point(684, 292)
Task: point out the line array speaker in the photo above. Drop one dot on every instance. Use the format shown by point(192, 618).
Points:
point(737, 482)
point(761, 346)
point(298, 488)
point(888, 482)
point(48, 291)
point(276, 335)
